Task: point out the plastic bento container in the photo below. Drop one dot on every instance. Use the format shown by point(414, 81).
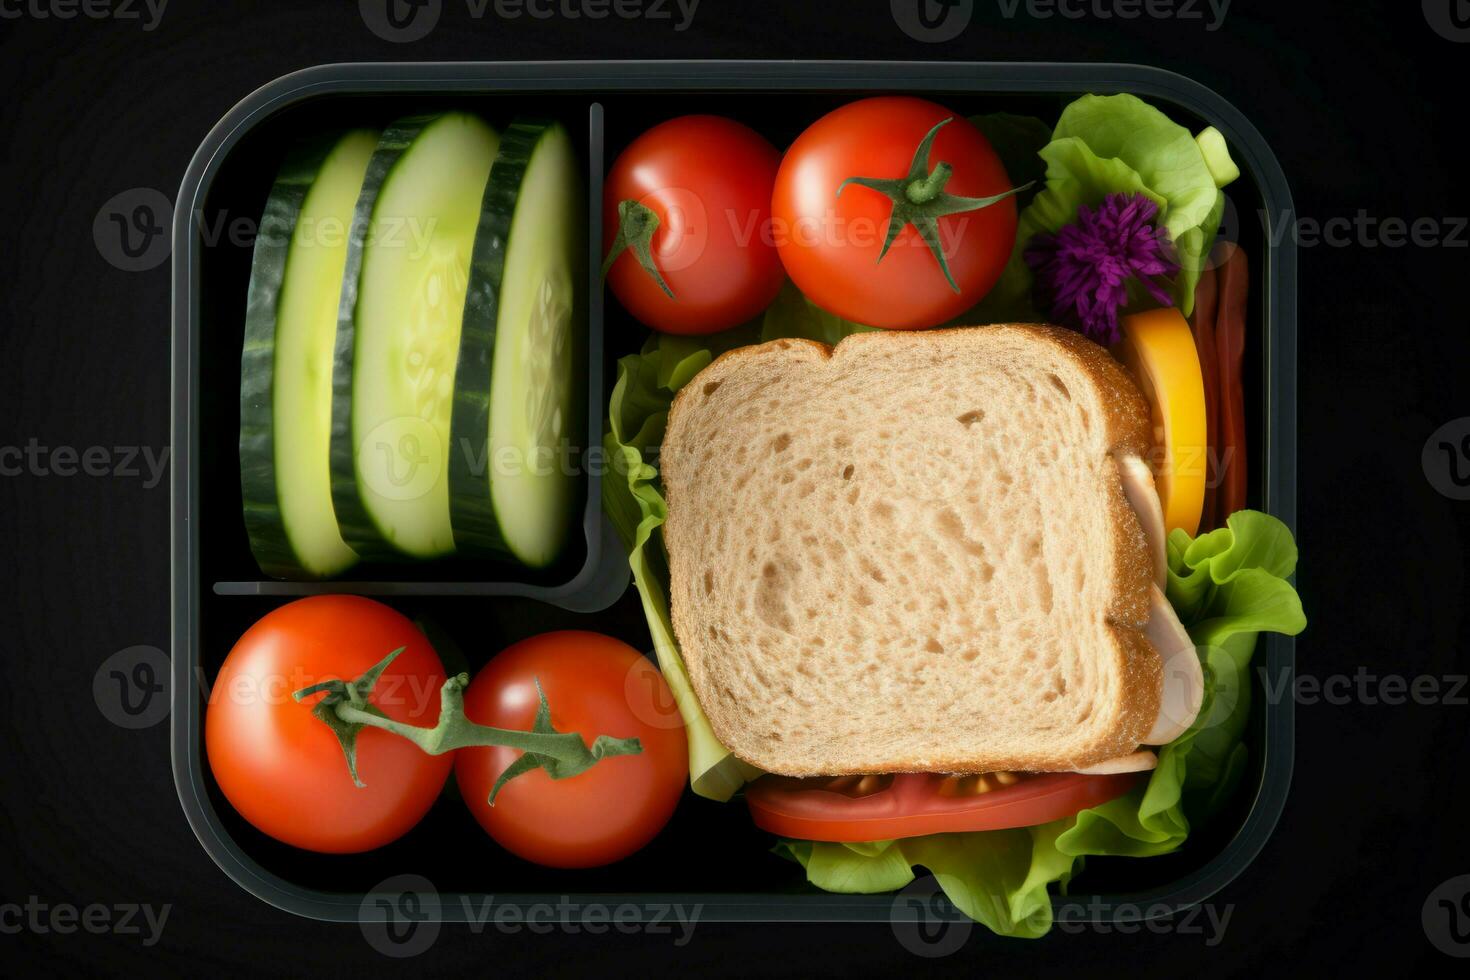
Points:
point(710, 855)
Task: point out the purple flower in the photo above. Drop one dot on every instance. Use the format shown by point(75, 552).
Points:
point(1084, 270)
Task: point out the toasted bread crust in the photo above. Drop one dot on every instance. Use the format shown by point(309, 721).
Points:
point(1127, 431)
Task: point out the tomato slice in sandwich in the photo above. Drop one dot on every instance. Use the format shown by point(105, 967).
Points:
point(888, 807)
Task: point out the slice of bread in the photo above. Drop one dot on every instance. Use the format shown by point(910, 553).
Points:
point(913, 552)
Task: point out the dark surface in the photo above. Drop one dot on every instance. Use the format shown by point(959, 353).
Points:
point(1361, 107)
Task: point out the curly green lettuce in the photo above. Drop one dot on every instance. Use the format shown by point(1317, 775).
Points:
point(634, 502)
point(1119, 144)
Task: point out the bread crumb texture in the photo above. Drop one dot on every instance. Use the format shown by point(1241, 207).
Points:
point(912, 552)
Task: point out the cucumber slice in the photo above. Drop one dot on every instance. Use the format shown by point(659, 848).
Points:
point(516, 402)
point(286, 365)
point(398, 333)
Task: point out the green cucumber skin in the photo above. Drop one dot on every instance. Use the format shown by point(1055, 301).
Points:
point(358, 528)
point(262, 512)
point(472, 513)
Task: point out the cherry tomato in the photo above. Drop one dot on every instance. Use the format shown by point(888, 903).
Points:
point(708, 179)
point(830, 243)
point(864, 808)
point(282, 767)
point(595, 685)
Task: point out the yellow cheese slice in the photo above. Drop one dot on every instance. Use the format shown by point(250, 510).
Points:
point(1158, 349)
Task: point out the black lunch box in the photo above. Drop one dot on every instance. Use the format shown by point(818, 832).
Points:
point(710, 855)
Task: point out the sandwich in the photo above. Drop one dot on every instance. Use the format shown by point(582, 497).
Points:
point(928, 552)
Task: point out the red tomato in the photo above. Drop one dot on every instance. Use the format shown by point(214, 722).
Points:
point(595, 685)
point(830, 244)
point(708, 179)
point(282, 767)
point(863, 808)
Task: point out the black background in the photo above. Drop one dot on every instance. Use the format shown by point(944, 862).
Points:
point(1364, 106)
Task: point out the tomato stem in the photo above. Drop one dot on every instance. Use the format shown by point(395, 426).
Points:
point(346, 710)
point(919, 199)
point(926, 189)
point(636, 225)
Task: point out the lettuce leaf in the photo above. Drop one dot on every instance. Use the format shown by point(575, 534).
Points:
point(634, 502)
point(632, 496)
point(999, 878)
point(851, 869)
point(793, 315)
point(1227, 586)
point(1017, 140)
point(1120, 144)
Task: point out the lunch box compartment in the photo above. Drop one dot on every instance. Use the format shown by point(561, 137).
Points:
point(710, 854)
point(593, 570)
